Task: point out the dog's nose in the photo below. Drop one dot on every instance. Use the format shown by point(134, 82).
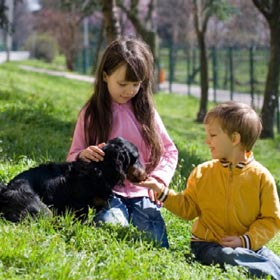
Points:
point(39, 209)
point(136, 174)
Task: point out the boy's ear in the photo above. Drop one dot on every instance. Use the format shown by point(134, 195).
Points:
point(235, 138)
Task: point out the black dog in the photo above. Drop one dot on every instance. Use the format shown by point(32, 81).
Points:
point(74, 186)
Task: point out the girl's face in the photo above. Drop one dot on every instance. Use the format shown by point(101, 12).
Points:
point(220, 144)
point(121, 90)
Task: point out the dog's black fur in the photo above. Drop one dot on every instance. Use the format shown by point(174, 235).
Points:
point(74, 186)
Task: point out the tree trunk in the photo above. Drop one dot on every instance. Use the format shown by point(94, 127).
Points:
point(203, 78)
point(70, 51)
point(270, 102)
point(98, 48)
point(111, 23)
point(200, 23)
point(149, 36)
point(69, 63)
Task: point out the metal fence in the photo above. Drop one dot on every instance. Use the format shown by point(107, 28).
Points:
point(231, 70)
point(240, 70)
point(234, 73)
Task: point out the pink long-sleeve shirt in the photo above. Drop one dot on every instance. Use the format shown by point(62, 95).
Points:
point(126, 125)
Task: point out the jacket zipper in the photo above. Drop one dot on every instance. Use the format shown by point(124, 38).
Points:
point(228, 198)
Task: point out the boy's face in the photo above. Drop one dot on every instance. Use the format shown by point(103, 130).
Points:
point(220, 144)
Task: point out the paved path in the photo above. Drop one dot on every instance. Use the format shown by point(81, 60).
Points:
point(18, 55)
point(67, 75)
point(221, 95)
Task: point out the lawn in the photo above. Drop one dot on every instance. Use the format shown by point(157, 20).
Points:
point(37, 118)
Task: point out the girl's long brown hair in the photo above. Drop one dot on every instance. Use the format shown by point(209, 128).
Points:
point(140, 67)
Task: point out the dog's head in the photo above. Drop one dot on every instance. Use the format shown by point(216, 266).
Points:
point(2, 186)
point(17, 202)
point(126, 157)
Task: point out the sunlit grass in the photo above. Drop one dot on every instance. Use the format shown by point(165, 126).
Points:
point(37, 118)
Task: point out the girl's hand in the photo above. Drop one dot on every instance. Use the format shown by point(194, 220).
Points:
point(92, 153)
point(153, 197)
point(152, 183)
point(231, 241)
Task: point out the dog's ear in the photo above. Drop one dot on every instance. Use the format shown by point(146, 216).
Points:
point(4, 197)
point(10, 195)
point(2, 186)
point(7, 195)
point(132, 150)
point(111, 149)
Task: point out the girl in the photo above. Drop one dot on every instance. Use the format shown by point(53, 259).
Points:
point(122, 105)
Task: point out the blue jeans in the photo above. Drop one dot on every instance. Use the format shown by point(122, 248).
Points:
point(140, 211)
point(260, 263)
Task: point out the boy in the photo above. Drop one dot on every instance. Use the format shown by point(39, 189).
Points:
point(233, 196)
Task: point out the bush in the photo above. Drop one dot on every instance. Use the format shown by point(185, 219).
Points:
point(42, 46)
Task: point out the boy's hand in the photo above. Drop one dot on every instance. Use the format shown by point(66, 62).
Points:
point(231, 241)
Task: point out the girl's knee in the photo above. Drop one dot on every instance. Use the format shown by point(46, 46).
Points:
point(228, 250)
point(114, 213)
point(111, 216)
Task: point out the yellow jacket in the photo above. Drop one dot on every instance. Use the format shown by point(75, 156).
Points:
point(240, 200)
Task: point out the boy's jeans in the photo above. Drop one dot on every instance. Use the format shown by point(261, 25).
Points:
point(259, 263)
point(140, 211)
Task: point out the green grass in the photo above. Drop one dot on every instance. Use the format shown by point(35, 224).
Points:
point(58, 64)
point(37, 118)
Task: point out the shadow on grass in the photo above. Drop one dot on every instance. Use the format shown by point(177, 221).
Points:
point(34, 133)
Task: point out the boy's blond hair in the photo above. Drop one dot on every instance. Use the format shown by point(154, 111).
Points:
point(237, 117)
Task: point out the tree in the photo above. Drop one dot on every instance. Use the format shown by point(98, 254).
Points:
point(246, 27)
point(62, 19)
point(174, 21)
point(143, 27)
point(66, 17)
point(201, 17)
point(202, 11)
point(64, 27)
point(110, 19)
point(271, 12)
point(3, 15)
point(4, 20)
